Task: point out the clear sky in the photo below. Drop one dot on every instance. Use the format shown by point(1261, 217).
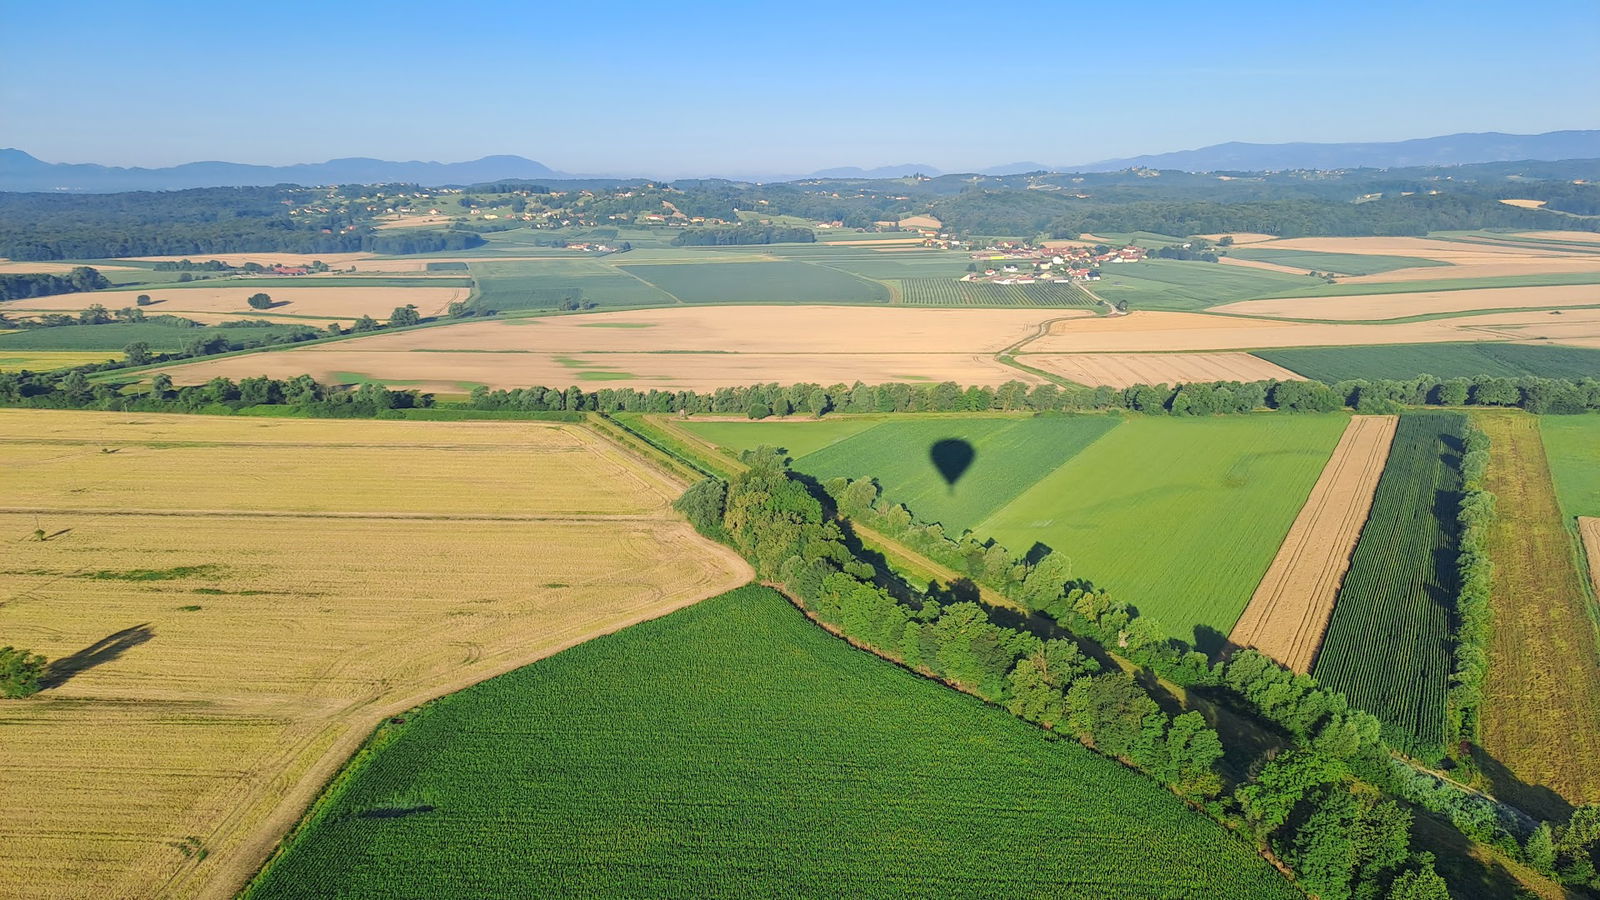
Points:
point(684, 88)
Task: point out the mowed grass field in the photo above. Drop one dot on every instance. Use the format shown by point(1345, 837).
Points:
point(1573, 445)
point(1540, 724)
point(1009, 455)
point(1388, 642)
point(232, 604)
point(1180, 517)
point(734, 749)
point(1402, 361)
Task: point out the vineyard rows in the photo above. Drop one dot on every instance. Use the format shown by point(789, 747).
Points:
point(950, 292)
point(1388, 643)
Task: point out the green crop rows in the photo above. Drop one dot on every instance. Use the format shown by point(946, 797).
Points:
point(733, 749)
point(954, 292)
point(1402, 361)
point(115, 336)
point(1388, 642)
point(758, 282)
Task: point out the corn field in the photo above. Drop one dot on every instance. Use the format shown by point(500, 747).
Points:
point(1388, 643)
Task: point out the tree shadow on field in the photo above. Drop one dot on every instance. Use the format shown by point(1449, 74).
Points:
point(98, 653)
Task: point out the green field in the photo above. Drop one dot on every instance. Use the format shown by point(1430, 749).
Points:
point(1402, 361)
point(1180, 285)
point(758, 282)
point(1388, 643)
point(1011, 454)
point(797, 438)
point(115, 336)
point(954, 292)
point(1573, 445)
point(546, 284)
point(1309, 287)
point(733, 749)
point(1180, 517)
point(1338, 263)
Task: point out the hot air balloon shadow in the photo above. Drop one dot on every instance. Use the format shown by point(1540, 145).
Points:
point(952, 457)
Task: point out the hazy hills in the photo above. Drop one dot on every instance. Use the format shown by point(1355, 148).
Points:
point(20, 171)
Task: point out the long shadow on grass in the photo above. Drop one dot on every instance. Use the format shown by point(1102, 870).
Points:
point(98, 653)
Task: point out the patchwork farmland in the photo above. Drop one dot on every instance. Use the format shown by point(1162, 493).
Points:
point(223, 643)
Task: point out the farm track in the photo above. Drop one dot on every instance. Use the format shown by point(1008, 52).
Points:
point(1288, 614)
point(1541, 711)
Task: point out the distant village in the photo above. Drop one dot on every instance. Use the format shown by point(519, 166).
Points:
point(1009, 263)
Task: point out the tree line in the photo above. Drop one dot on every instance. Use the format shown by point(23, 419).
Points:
point(80, 278)
point(1305, 806)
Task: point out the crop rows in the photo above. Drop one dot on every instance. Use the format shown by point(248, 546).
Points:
point(1388, 643)
point(1402, 361)
point(952, 292)
point(734, 749)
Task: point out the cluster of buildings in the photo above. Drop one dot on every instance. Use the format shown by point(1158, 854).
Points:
point(1008, 263)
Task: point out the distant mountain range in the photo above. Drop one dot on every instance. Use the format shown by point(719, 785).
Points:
point(1449, 150)
point(20, 171)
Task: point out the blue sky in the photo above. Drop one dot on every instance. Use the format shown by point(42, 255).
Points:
point(682, 88)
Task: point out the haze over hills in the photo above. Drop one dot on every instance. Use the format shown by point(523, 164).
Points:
point(19, 171)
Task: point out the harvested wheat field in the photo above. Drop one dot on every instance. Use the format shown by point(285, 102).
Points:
point(1577, 264)
point(1148, 330)
point(1289, 611)
point(447, 372)
point(1426, 248)
point(1586, 237)
point(1396, 306)
point(223, 641)
point(676, 348)
point(1119, 370)
point(300, 299)
point(1525, 204)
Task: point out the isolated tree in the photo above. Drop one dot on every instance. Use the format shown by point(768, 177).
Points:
point(259, 301)
point(143, 300)
point(20, 673)
point(137, 353)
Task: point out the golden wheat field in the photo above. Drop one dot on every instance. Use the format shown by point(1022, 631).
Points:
point(223, 639)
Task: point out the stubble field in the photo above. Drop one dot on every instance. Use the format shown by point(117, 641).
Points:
point(229, 620)
point(1288, 613)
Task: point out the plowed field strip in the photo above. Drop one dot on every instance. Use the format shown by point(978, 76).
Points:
point(1289, 611)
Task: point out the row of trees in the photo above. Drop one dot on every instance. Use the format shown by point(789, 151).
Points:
point(1342, 837)
point(1538, 395)
point(80, 278)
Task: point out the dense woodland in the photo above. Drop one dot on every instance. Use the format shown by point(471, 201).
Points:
point(40, 226)
point(21, 287)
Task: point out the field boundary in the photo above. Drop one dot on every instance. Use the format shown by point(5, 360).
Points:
point(1288, 614)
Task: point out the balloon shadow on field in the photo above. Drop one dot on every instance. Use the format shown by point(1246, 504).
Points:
point(98, 653)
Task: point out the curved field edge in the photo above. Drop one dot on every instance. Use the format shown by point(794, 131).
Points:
point(759, 756)
point(1288, 614)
